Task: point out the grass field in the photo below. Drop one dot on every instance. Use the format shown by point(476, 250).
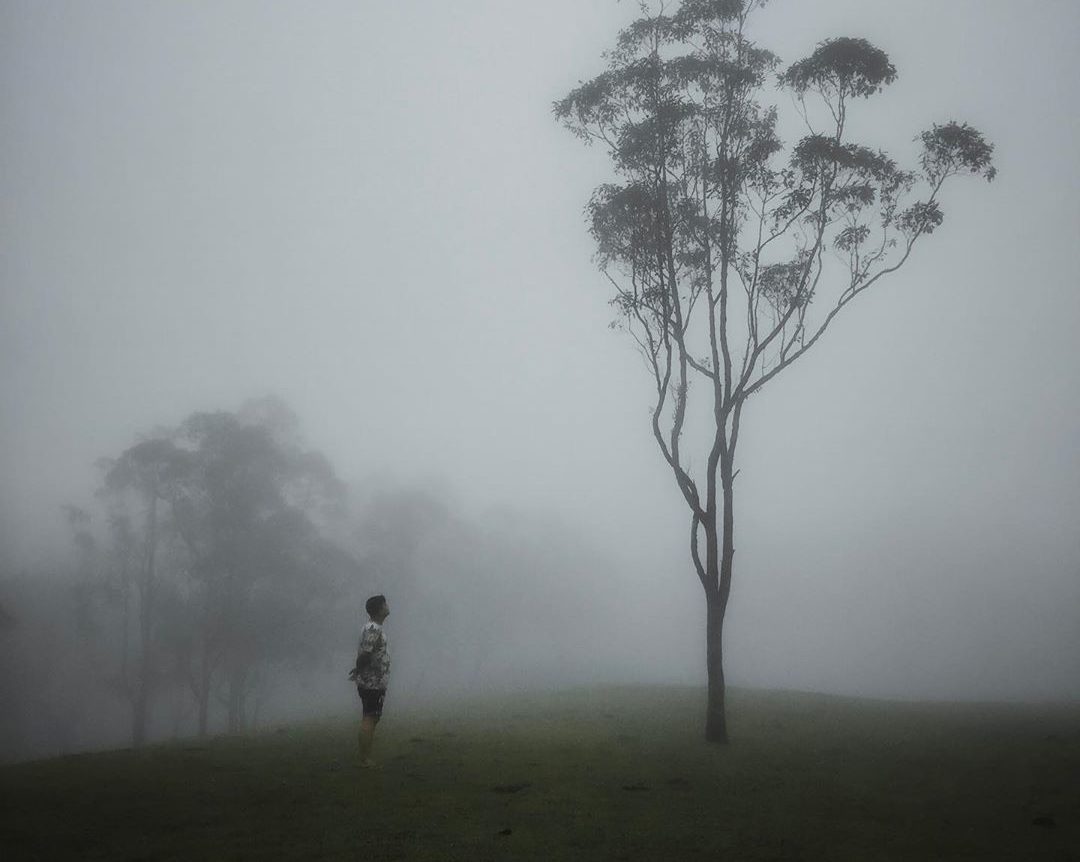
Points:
point(607, 774)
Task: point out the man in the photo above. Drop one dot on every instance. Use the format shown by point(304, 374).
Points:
point(371, 673)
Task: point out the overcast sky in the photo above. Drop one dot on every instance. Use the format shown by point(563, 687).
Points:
point(368, 210)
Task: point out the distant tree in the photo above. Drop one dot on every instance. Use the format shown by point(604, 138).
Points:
point(123, 565)
point(150, 471)
point(216, 547)
point(730, 258)
point(79, 521)
point(248, 514)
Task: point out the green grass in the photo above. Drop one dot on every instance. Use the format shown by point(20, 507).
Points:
point(608, 774)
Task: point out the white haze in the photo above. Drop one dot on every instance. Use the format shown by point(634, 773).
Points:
point(368, 210)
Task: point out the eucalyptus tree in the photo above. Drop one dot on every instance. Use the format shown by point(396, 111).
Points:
point(729, 254)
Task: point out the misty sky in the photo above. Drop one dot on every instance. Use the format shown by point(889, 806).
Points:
point(368, 210)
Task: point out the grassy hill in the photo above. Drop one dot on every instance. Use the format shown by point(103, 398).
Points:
point(607, 774)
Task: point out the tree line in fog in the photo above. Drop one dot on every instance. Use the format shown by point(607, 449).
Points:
point(205, 561)
point(221, 568)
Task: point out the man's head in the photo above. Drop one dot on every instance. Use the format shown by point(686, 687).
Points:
point(377, 608)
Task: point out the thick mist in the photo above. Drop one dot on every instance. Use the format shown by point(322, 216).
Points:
point(368, 211)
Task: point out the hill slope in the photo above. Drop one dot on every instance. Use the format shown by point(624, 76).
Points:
point(608, 774)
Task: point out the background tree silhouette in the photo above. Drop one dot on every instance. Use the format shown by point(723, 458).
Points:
point(149, 470)
point(220, 523)
point(729, 255)
point(261, 572)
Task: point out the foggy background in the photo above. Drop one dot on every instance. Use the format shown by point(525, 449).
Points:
point(368, 210)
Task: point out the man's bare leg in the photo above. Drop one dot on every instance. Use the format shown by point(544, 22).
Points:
point(367, 739)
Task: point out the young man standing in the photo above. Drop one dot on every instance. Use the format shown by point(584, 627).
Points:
point(371, 673)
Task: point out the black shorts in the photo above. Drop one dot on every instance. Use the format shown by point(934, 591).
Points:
point(372, 699)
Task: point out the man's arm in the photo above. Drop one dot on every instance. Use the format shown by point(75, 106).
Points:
point(363, 657)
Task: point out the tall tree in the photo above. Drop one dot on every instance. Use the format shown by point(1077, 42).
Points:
point(150, 471)
point(729, 256)
point(248, 513)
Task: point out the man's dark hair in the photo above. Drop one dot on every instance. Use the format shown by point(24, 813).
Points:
point(374, 604)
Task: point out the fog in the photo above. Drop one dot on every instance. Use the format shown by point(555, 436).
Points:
point(368, 211)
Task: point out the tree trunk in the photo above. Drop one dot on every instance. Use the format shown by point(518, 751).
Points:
point(715, 716)
point(716, 600)
point(146, 606)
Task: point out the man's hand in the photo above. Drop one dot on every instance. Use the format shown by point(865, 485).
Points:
point(354, 673)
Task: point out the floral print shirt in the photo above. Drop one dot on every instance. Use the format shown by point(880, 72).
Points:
point(376, 673)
